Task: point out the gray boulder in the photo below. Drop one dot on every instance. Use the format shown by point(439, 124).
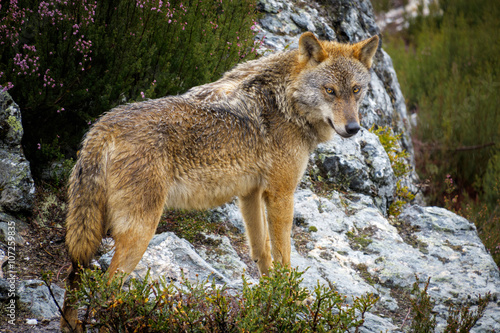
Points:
point(359, 164)
point(17, 188)
point(346, 241)
point(171, 257)
point(35, 295)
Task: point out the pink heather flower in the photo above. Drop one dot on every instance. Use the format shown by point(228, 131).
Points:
point(142, 94)
point(39, 146)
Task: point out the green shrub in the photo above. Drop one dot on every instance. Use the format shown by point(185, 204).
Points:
point(399, 164)
point(460, 317)
point(276, 304)
point(424, 321)
point(66, 62)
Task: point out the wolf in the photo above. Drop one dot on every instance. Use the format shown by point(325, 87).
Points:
point(247, 135)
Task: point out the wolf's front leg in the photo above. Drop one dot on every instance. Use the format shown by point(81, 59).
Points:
point(280, 220)
point(254, 213)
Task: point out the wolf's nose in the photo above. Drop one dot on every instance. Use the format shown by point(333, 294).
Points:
point(352, 128)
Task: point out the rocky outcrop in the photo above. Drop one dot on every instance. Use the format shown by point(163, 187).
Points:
point(345, 241)
point(359, 164)
point(17, 188)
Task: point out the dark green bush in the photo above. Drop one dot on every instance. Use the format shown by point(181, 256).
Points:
point(461, 318)
point(276, 304)
point(66, 62)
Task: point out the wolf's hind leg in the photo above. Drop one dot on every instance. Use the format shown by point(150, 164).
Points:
point(254, 213)
point(134, 224)
point(129, 249)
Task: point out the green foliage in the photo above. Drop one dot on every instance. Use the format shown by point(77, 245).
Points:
point(66, 62)
point(397, 156)
point(424, 321)
point(449, 74)
point(276, 304)
point(460, 317)
point(399, 164)
point(491, 181)
point(449, 69)
point(190, 224)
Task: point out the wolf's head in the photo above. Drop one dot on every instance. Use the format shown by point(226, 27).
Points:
point(331, 80)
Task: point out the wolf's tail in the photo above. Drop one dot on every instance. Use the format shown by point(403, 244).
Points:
point(85, 222)
point(86, 219)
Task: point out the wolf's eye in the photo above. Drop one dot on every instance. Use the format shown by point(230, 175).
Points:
point(330, 91)
point(356, 90)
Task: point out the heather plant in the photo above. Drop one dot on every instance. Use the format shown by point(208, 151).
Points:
point(461, 317)
point(66, 62)
point(276, 304)
point(424, 321)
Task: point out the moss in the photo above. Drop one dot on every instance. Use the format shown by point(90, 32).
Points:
point(191, 225)
point(362, 269)
point(457, 248)
point(407, 232)
point(360, 239)
point(313, 229)
point(15, 124)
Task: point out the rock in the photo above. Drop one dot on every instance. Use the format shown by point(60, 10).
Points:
point(17, 188)
point(359, 164)
point(6, 288)
point(353, 247)
point(10, 226)
point(35, 295)
point(451, 248)
point(220, 254)
point(171, 257)
point(303, 20)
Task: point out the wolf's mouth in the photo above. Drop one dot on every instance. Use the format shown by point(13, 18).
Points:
point(344, 135)
point(331, 124)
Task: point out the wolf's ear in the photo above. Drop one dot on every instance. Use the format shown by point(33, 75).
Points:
point(310, 49)
point(365, 50)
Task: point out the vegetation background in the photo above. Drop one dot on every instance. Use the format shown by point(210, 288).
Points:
point(67, 62)
point(448, 68)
